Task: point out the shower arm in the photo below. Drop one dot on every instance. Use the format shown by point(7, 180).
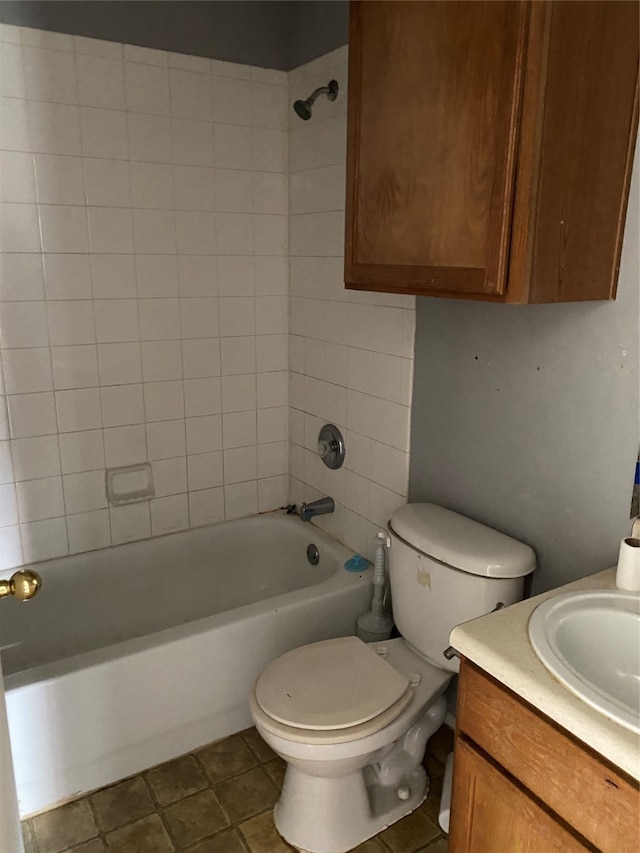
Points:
point(329, 91)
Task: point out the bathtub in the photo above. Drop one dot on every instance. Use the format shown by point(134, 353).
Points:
point(136, 654)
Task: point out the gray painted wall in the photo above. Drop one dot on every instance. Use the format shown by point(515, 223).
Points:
point(247, 32)
point(527, 418)
point(268, 33)
point(316, 27)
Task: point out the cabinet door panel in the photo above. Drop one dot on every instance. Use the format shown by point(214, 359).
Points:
point(573, 781)
point(434, 95)
point(586, 150)
point(491, 813)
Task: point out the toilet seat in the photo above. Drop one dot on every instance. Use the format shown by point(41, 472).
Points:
point(335, 684)
point(329, 692)
point(328, 736)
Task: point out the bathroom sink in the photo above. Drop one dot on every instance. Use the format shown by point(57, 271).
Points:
point(590, 641)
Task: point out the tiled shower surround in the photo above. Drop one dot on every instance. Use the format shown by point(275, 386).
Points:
point(350, 353)
point(146, 250)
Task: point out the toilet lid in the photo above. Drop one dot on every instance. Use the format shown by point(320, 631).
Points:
point(334, 684)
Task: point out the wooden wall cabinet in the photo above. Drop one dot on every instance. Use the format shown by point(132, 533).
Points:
point(490, 147)
point(521, 783)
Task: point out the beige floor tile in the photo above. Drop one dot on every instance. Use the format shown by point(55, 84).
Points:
point(370, 846)
point(262, 750)
point(63, 827)
point(410, 833)
point(276, 768)
point(224, 842)
point(122, 803)
point(246, 777)
point(247, 794)
point(176, 779)
point(431, 806)
point(94, 846)
point(439, 846)
point(195, 817)
point(144, 836)
point(262, 836)
point(225, 758)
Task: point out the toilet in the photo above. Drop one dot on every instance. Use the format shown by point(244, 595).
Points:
point(352, 719)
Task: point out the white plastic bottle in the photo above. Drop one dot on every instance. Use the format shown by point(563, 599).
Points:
point(375, 624)
point(628, 569)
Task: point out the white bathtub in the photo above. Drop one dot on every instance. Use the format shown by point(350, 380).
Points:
point(133, 655)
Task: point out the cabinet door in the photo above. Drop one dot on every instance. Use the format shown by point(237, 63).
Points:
point(574, 782)
point(434, 99)
point(584, 152)
point(491, 813)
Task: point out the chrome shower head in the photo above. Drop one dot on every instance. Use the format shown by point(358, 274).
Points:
point(303, 108)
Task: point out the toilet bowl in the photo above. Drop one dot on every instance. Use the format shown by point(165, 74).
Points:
point(362, 774)
point(351, 719)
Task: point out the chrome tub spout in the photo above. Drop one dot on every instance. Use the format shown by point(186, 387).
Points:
point(319, 507)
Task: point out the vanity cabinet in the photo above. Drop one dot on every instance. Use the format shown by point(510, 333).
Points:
point(521, 783)
point(489, 147)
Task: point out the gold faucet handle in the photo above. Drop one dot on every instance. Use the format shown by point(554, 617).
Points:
point(23, 585)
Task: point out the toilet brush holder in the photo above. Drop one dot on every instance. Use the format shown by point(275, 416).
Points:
point(372, 627)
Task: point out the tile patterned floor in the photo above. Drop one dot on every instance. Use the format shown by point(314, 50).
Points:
point(217, 799)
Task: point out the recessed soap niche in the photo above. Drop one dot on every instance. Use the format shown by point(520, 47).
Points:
point(129, 484)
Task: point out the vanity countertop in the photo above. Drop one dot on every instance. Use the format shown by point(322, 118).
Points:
point(499, 644)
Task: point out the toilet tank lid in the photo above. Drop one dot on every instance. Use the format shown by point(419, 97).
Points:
point(461, 542)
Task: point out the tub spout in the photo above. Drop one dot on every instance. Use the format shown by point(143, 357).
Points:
point(319, 507)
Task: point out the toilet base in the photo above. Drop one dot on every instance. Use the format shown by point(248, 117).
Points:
point(318, 815)
point(336, 796)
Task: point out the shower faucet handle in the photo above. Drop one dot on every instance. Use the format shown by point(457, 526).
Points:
point(331, 446)
point(23, 585)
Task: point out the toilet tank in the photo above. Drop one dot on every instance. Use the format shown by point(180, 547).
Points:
point(446, 569)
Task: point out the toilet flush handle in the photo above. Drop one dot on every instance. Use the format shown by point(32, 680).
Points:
point(450, 653)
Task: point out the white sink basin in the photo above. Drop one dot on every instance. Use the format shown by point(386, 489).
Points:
point(590, 641)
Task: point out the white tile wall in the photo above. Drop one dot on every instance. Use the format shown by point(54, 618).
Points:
point(350, 353)
point(153, 209)
point(143, 290)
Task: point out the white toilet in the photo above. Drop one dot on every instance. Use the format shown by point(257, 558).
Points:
point(352, 720)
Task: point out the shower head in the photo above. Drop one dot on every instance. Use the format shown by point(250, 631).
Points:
point(303, 108)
